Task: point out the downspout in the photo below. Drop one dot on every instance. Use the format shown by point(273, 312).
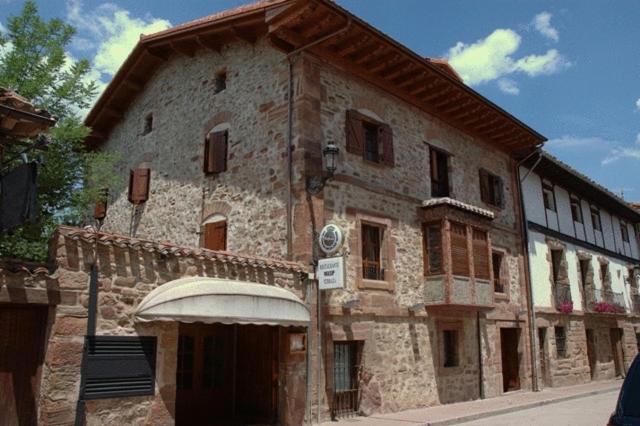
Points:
point(291, 58)
point(527, 265)
point(480, 372)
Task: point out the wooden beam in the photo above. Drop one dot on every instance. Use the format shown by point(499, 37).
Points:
point(319, 22)
point(402, 75)
point(420, 75)
point(500, 125)
point(210, 43)
point(291, 15)
point(380, 62)
point(133, 83)
point(365, 52)
point(248, 34)
point(351, 44)
point(186, 47)
point(393, 69)
point(158, 53)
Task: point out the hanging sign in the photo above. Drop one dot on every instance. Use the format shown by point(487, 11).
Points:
point(330, 273)
point(330, 239)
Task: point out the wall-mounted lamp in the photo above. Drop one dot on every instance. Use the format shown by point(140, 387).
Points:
point(315, 184)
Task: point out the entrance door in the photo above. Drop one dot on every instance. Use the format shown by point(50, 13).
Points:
point(616, 350)
point(542, 354)
point(591, 351)
point(226, 374)
point(509, 338)
point(22, 333)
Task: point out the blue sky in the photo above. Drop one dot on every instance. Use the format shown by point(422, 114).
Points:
point(569, 69)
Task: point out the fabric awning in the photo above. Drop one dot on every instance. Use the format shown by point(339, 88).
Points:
point(216, 300)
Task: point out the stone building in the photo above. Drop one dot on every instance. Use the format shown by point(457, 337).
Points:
point(224, 125)
point(585, 271)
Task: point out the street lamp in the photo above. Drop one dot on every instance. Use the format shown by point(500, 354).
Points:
point(315, 184)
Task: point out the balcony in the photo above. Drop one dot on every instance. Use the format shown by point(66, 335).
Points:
point(604, 301)
point(456, 290)
point(564, 303)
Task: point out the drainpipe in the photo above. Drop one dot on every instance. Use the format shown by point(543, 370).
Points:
point(527, 266)
point(480, 372)
point(291, 58)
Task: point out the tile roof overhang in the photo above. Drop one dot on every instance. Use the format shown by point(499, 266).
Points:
point(19, 118)
point(359, 49)
point(577, 183)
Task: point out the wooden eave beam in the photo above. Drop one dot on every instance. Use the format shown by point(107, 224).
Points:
point(291, 15)
point(447, 100)
point(133, 83)
point(393, 69)
point(351, 44)
point(320, 22)
point(420, 75)
point(368, 51)
point(454, 109)
point(210, 43)
point(380, 62)
point(246, 33)
point(403, 75)
point(502, 123)
point(114, 112)
point(185, 47)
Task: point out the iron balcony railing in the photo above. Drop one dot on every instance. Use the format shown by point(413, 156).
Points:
point(563, 298)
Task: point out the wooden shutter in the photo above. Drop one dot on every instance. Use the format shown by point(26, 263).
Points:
point(215, 236)
point(386, 134)
point(215, 152)
point(432, 249)
point(484, 186)
point(459, 250)
point(139, 185)
point(480, 254)
point(354, 132)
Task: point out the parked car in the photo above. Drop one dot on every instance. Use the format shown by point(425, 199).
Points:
point(627, 411)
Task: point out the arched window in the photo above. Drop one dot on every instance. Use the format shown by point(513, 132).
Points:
point(215, 232)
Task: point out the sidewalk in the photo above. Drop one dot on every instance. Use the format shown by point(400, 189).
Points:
point(472, 410)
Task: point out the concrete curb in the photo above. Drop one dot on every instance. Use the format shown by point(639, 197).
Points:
point(514, 408)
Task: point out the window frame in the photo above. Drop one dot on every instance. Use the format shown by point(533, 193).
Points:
point(624, 230)
point(387, 252)
point(369, 127)
point(560, 341)
point(458, 332)
point(220, 82)
point(595, 213)
point(428, 250)
point(435, 175)
point(491, 189)
point(380, 230)
point(498, 270)
point(215, 224)
point(576, 209)
point(548, 196)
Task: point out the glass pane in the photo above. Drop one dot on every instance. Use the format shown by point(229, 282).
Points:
point(342, 367)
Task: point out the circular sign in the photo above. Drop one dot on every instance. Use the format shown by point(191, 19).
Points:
point(330, 239)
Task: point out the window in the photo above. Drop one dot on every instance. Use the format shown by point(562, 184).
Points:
point(215, 235)
point(595, 219)
point(633, 278)
point(450, 348)
point(221, 81)
point(185, 363)
point(491, 189)
point(625, 232)
point(369, 138)
point(496, 262)
point(372, 236)
point(432, 246)
point(148, 124)
point(561, 342)
point(346, 363)
point(372, 149)
point(480, 254)
point(459, 250)
point(548, 197)
point(556, 264)
point(584, 271)
point(576, 210)
point(215, 152)
point(439, 162)
point(604, 274)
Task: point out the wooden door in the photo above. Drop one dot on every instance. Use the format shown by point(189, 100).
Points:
point(510, 360)
point(616, 350)
point(591, 351)
point(542, 353)
point(204, 374)
point(22, 334)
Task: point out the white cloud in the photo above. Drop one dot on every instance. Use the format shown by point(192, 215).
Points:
point(570, 142)
point(508, 86)
point(621, 152)
point(638, 104)
point(492, 58)
point(542, 23)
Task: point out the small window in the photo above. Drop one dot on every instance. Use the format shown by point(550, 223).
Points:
point(148, 124)
point(556, 264)
point(604, 274)
point(432, 246)
point(595, 219)
point(372, 148)
point(450, 348)
point(491, 189)
point(625, 232)
point(439, 162)
point(496, 262)
point(221, 81)
point(548, 197)
point(584, 271)
point(215, 152)
point(561, 342)
point(372, 236)
point(576, 210)
point(215, 235)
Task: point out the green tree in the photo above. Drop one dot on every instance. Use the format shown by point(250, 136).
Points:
point(35, 65)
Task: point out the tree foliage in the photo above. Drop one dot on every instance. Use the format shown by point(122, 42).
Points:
point(35, 64)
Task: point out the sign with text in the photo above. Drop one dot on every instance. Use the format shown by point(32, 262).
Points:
point(330, 273)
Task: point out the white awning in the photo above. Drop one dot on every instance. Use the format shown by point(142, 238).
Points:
point(216, 300)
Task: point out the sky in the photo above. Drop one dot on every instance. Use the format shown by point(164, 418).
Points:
point(568, 69)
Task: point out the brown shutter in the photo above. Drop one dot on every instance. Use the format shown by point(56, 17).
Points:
point(386, 134)
point(215, 236)
point(139, 185)
point(500, 193)
point(215, 152)
point(484, 186)
point(354, 131)
point(480, 254)
point(459, 250)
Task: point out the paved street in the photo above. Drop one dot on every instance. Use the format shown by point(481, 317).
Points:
point(588, 411)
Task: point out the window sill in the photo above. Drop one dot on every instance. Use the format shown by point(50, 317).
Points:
point(375, 284)
point(501, 296)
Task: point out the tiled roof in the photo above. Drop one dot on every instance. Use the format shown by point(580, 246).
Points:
point(164, 248)
point(433, 202)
